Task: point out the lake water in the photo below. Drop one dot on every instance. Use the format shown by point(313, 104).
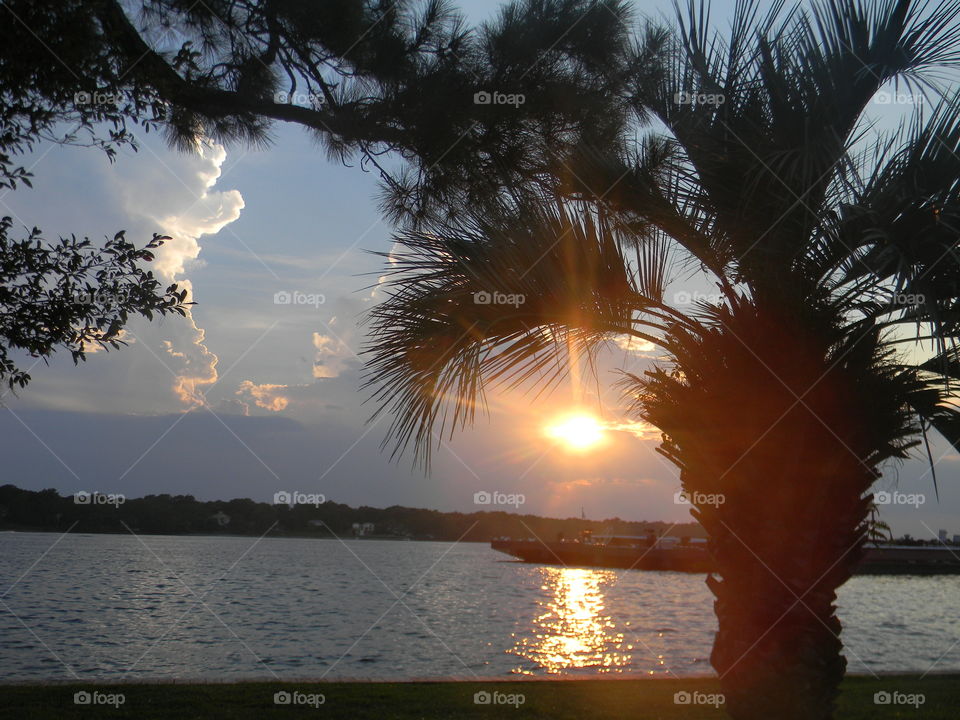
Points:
point(113, 606)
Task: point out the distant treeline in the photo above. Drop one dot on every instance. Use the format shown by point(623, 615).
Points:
point(47, 510)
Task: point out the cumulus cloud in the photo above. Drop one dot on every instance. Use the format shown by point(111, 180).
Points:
point(266, 396)
point(195, 367)
point(382, 279)
point(334, 351)
point(332, 356)
point(632, 344)
point(181, 201)
point(122, 336)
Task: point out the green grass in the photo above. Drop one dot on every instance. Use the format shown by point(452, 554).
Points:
point(645, 699)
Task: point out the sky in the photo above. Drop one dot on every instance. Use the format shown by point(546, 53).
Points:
point(248, 397)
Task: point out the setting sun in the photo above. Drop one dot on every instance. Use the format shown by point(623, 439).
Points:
point(578, 431)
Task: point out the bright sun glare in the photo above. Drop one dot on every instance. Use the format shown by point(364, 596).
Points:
point(577, 432)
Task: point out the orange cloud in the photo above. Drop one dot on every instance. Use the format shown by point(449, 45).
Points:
point(185, 211)
point(266, 396)
point(634, 345)
point(196, 366)
point(332, 356)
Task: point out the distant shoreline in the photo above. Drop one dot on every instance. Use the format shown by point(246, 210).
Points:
point(304, 536)
point(298, 514)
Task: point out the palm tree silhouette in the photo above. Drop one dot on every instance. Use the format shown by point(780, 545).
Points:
point(878, 531)
point(831, 349)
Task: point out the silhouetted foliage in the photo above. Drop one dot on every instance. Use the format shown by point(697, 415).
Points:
point(183, 514)
point(70, 294)
point(74, 296)
point(372, 80)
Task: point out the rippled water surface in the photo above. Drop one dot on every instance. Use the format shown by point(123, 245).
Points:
point(107, 606)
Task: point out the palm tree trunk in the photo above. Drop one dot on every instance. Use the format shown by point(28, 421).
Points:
point(778, 648)
point(787, 432)
point(780, 558)
point(776, 658)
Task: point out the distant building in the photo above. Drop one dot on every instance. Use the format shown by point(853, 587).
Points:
point(956, 539)
point(942, 535)
point(361, 529)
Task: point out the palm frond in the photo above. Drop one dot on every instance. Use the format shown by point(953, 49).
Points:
point(897, 236)
point(497, 298)
point(795, 86)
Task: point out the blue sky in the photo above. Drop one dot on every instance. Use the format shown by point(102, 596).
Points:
point(283, 407)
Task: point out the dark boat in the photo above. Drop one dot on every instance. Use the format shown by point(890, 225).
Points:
point(691, 555)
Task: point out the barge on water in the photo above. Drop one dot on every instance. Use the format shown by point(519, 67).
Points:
point(691, 555)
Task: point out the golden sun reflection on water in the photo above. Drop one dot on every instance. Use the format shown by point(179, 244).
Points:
point(573, 632)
